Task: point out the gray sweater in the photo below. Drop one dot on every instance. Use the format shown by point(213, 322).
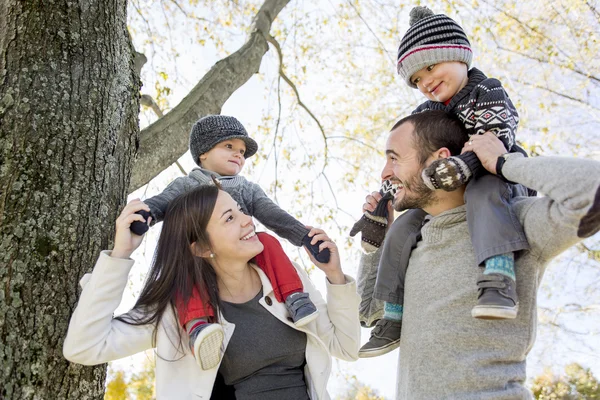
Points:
point(249, 195)
point(444, 352)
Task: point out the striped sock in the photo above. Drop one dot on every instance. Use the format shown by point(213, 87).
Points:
point(392, 311)
point(503, 264)
point(193, 328)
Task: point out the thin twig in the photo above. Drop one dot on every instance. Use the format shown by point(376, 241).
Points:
point(575, 99)
point(355, 140)
point(373, 33)
point(275, 44)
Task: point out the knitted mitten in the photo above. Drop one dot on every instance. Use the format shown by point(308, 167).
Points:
point(447, 174)
point(373, 225)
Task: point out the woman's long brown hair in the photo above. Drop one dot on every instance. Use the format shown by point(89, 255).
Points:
point(175, 271)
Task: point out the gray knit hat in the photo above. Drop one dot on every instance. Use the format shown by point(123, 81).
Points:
point(431, 39)
point(211, 130)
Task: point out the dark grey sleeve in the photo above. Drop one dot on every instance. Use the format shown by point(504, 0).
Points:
point(370, 309)
point(159, 203)
point(272, 216)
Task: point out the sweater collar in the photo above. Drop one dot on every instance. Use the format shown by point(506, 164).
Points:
point(475, 78)
point(434, 226)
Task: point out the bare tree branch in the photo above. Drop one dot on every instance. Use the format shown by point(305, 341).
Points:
point(593, 10)
point(163, 142)
point(566, 96)
point(544, 61)
point(275, 44)
point(147, 101)
point(139, 59)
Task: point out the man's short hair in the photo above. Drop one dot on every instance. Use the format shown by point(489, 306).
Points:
point(434, 129)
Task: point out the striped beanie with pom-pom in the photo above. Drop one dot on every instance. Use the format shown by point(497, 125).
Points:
point(431, 39)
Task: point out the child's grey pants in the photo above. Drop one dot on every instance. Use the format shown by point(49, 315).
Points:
point(494, 229)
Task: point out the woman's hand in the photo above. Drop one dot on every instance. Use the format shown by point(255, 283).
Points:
point(333, 269)
point(125, 241)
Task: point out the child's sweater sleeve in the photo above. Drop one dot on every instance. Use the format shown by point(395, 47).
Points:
point(494, 111)
point(159, 203)
point(272, 216)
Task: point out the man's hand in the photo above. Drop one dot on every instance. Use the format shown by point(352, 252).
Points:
point(488, 148)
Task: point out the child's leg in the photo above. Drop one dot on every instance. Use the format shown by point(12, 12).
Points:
point(496, 234)
point(206, 337)
point(400, 240)
point(284, 278)
point(397, 246)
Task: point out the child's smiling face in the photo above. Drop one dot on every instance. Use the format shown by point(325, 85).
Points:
point(440, 82)
point(226, 158)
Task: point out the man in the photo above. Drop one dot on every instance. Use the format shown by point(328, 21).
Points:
point(445, 353)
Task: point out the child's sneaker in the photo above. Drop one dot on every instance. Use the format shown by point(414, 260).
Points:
point(497, 298)
point(385, 337)
point(301, 308)
point(206, 341)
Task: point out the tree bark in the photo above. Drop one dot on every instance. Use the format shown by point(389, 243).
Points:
point(163, 142)
point(68, 134)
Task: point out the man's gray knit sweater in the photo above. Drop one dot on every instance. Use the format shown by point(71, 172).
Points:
point(444, 352)
point(252, 199)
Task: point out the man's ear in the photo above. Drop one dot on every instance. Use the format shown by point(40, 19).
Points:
point(198, 252)
point(441, 153)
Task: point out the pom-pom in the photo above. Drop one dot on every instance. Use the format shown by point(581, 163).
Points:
point(418, 13)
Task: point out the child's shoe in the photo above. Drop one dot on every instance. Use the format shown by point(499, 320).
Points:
point(385, 337)
point(301, 308)
point(206, 341)
point(447, 174)
point(497, 298)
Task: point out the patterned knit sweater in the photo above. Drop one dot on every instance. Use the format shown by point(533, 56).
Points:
point(482, 105)
point(251, 198)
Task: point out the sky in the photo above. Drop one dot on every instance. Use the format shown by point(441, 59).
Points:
point(565, 281)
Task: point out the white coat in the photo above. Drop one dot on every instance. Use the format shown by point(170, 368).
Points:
point(95, 337)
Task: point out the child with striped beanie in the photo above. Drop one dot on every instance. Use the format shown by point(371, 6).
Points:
point(435, 57)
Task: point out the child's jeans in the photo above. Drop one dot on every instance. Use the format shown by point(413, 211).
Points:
point(493, 226)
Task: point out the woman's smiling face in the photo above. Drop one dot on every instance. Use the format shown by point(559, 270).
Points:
point(231, 232)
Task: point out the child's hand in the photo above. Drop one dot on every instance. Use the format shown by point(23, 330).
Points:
point(333, 269)
point(488, 148)
point(371, 202)
point(125, 241)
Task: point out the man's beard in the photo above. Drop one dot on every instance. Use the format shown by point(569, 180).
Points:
point(420, 197)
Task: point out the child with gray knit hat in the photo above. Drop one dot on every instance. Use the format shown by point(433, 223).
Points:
point(435, 57)
point(220, 146)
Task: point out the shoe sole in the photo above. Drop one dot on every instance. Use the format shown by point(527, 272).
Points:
point(494, 312)
point(379, 351)
point(207, 347)
point(308, 319)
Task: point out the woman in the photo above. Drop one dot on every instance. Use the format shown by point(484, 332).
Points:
point(207, 242)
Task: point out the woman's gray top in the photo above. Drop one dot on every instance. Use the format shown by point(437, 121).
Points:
point(265, 358)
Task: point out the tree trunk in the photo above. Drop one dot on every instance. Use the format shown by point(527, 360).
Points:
point(68, 133)
point(163, 142)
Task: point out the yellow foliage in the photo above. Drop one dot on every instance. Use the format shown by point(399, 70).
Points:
point(116, 388)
